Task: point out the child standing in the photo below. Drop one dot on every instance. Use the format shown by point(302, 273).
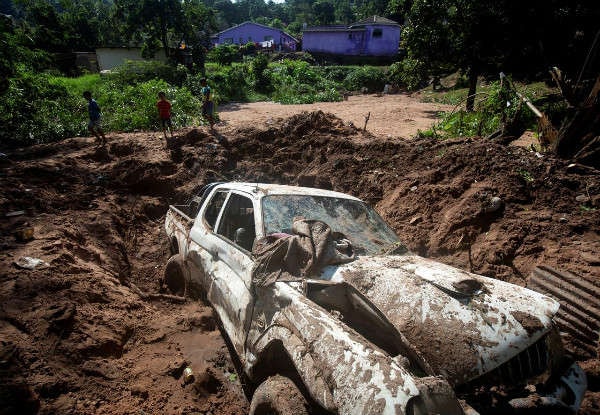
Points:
point(207, 103)
point(164, 112)
point(94, 124)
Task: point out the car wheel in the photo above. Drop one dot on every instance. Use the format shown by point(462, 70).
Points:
point(278, 395)
point(175, 275)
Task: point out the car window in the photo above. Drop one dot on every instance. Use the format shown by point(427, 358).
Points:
point(369, 234)
point(237, 223)
point(214, 207)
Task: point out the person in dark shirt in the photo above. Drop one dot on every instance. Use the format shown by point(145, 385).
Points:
point(164, 112)
point(94, 124)
point(207, 103)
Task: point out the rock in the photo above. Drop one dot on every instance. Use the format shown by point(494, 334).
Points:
point(176, 368)
point(582, 198)
point(562, 219)
point(494, 205)
point(416, 220)
point(139, 390)
point(414, 188)
point(590, 258)
point(155, 337)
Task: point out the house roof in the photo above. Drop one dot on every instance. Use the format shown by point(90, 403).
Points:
point(378, 20)
point(344, 29)
point(354, 27)
point(255, 24)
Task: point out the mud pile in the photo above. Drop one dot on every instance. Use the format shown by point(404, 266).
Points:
point(77, 337)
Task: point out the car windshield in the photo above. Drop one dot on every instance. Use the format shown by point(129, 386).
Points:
point(369, 234)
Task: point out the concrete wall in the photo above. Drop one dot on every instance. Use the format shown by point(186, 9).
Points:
point(109, 58)
point(335, 43)
point(252, 32)
point(354, 42)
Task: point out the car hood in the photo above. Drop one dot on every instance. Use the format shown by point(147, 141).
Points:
point(463, 324)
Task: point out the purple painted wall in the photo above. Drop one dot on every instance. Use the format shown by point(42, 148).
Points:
point(254, 32)
point(359, 39)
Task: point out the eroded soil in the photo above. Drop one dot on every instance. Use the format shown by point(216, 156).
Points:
point(77, 336)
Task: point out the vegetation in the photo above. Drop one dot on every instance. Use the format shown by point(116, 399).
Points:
point(477, 38)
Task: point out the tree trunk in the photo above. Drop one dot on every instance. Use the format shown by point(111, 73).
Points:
point(473, 74)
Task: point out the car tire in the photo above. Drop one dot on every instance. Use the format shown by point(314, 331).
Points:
point(278, 395)
point(175, 278)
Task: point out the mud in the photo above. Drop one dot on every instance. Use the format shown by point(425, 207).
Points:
point(80, 340)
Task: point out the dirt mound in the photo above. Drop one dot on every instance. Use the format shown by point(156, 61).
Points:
point(78, 336)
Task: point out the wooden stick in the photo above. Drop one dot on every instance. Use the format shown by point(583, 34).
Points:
point(367, 120)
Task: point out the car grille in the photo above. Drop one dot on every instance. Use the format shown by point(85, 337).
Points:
point(531, 362)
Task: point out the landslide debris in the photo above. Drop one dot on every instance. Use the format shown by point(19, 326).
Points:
point(79, 338)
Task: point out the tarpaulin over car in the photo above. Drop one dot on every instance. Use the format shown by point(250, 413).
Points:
point(285, 257)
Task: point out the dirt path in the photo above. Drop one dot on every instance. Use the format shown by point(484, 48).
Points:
point(399, 115)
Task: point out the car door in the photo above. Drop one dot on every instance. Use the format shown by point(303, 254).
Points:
point(224, 239)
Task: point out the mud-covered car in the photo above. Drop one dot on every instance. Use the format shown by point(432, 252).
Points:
point(327, 311)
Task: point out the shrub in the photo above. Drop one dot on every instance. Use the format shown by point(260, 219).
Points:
point(133, 72)
point(134, 106)
point(369, 77)
point(260, 73)
point(224, 54)
point(409, 73)
point(498, 104)
point(228, 83)
point(34, 109)
point(296, 82)
point(337, 73)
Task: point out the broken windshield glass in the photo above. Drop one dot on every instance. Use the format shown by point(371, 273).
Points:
point(369, 234)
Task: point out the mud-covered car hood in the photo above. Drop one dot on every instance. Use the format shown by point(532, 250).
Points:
point(463, 324)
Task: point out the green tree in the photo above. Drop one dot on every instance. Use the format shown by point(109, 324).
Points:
point(464, 34)
point(324, 12)
point(198, 22)
point(150, 20)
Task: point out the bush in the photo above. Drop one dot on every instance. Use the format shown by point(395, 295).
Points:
point(228, 83)
point(369, 77)
point(133, 72)
point(296, 82)
point(134, 106)
point(409, 73)
point(337, 73)
point(498, 104)
point(34, 109)
point(260, 73)
point(224, 54)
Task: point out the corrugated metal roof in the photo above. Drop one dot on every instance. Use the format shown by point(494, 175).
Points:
point(354, 27)
point(375, 20)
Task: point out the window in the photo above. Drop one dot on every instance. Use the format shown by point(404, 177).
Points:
point(241, 41)
point(228, 40)
point(377, 33)
point(214, 207)
point(268, 38)
point(237, 223)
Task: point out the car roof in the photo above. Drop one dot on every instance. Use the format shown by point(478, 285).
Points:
point(264, 189)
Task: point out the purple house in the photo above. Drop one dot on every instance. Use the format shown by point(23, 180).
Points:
point(257, 33)
point(375, 36)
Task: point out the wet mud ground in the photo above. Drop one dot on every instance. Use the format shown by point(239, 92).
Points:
point(76, 336)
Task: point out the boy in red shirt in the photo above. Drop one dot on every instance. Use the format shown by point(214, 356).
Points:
point(164, 112)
